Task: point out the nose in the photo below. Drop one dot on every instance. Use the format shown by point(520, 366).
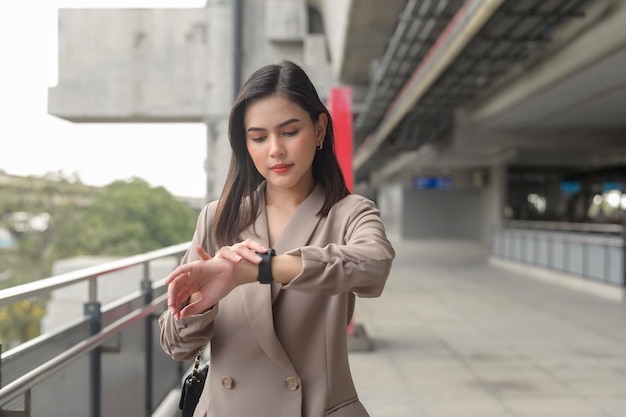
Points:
point(277, 148)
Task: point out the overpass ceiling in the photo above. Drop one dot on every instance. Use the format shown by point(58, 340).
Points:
point(370, 25)
point(593, 98)
point(517, 32)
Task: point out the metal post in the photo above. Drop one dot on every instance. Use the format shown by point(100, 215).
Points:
point(146, 289)
point(92, 310)
point(209, 162)
point(237, 45)
point(623, 254)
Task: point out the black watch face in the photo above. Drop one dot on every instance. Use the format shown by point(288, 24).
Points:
point(265, 267)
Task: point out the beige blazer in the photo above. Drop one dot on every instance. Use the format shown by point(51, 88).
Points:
point(281, 350)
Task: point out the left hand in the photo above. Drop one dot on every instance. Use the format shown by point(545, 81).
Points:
point(185, 287)
point(209, 280)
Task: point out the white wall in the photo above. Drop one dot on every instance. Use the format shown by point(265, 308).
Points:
point(453, 214)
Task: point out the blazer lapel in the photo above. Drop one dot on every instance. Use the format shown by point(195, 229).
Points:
point(302, 224)
point(257, 303)
point(257, 299)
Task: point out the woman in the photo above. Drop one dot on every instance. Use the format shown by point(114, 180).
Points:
point(277, 325)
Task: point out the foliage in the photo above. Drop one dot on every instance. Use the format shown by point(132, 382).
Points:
point(24, 202)
point(57, 217)
point(127, 218)
point(20, 321)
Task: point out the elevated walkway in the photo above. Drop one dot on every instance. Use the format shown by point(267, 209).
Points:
point(456, 336)
point(453, 335)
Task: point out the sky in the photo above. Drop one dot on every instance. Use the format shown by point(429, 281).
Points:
point(32, 142)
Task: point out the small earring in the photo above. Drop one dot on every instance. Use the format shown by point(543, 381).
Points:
point(320, 146)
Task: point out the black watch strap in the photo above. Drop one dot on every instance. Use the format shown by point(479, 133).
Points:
point(265, 267)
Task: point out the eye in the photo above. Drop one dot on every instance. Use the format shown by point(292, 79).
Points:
point(258, 139)
point(291, 133)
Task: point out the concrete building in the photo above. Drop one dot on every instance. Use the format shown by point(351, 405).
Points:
point(467, 113)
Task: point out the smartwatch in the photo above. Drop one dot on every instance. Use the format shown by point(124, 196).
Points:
point(265, 267)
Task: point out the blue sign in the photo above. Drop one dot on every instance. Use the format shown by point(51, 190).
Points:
point(432, 183)
point(612, 185)
point(570, 187)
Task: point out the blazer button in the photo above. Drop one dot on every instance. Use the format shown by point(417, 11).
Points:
point(228, 382)
point(292, 383)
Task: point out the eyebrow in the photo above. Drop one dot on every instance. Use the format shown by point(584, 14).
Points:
point(283, 124)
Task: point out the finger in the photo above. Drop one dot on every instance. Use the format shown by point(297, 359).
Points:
point(173, 291)
point(248, 250)
point(181, 297)
point(177, 292)
point(251, 256)
point(228, 253)
point(182, 269)
point(202, 253)
point(254, 245)
point(172, 301)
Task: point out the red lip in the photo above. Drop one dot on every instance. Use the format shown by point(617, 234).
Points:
point(280, 168)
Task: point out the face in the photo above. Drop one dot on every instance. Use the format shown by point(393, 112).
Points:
point(281, 139)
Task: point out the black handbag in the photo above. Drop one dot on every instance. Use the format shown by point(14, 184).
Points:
point(192, 387)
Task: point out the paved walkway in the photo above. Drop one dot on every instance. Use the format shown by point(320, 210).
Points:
point(455, 336)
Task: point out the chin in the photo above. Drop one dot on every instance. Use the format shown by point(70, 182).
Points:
point(282, 184)
point(285, 183)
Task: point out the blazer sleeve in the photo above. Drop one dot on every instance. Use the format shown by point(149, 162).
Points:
point(360, 264)
point(182, 338)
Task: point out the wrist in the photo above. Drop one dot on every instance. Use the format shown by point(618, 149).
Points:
point(245, 272)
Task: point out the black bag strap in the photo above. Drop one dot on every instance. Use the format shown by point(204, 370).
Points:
point(196, 365)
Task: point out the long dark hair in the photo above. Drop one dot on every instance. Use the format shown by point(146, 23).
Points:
point(243, 179)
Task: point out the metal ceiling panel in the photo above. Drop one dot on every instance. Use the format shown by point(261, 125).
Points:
point(517, 32)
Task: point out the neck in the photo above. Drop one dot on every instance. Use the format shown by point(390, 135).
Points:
point(288, 198)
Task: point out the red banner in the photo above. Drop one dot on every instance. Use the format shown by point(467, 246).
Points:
point(340, 107)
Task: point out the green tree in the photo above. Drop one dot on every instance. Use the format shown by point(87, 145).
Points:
point(126, 218)
point(121, 219)
point(29, 209)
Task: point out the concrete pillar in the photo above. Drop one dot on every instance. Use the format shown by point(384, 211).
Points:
point(494, 201)
point(390, 203)
point(210, 163)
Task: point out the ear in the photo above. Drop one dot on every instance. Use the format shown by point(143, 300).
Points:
point(320, 127)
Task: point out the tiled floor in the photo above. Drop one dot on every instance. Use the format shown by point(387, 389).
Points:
point(456, 336)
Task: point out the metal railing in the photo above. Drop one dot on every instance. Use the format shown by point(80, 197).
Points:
point(131, 319)
point(608, 229)
point(590, 251)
